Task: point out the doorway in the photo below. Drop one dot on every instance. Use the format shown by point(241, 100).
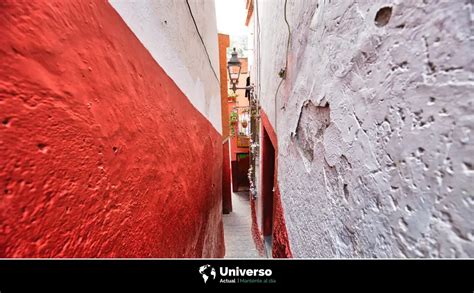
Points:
point(268, 175)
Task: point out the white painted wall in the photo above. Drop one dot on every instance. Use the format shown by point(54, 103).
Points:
point(391, 173)
point(250, 44)
point(167, 30)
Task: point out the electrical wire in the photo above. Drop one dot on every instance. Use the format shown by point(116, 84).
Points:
point(202, 41)
point(258, 53)
point(289, 38)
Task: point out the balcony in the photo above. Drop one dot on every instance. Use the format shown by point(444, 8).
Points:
point(243, 141)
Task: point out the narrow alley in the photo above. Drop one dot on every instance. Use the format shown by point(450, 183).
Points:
point(236, 129)
point(237, 229)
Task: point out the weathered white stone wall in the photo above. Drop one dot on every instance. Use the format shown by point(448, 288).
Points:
point(167, 30)
point(375, 125)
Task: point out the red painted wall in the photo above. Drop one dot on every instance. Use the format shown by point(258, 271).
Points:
point(224, 42)
point(226, 180)
point(256, 234)
point(281, 245)
point(101, 154)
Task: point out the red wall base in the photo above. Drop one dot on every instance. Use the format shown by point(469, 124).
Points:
point(281, 244)
point(226, 179)
point(256, 234)
point(101, 154)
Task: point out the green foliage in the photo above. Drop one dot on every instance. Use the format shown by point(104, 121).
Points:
point(233, 116)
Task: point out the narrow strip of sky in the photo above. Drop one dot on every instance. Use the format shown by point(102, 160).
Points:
point(231, 15)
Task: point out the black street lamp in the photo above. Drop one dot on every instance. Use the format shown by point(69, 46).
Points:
point(234, 67)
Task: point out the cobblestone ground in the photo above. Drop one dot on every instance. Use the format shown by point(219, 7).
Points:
point(237, 229)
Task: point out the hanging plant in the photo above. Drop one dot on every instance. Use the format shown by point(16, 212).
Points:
point(233, 117)
point(232, 96)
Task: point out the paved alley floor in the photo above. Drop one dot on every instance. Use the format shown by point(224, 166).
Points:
point(237, 229)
